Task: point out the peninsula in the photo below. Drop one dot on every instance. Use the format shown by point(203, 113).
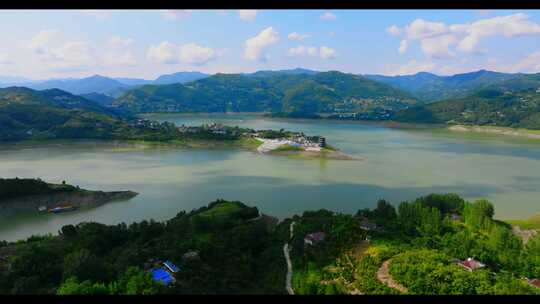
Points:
point(30, 196)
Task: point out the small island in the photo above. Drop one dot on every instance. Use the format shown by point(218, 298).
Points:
point(274, 142)
point(30, 196)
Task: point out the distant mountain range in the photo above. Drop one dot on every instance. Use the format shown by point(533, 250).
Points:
point(430, 87)
point(99, 84)
point(481, 97)
point(268, 91)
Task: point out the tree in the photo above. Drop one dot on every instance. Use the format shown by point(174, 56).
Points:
point(72, 287)
point(385, 211)
point(138, 282)
point(84, 265)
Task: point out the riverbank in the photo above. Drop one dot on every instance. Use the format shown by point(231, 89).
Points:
point(79, 198)
point(533, 134)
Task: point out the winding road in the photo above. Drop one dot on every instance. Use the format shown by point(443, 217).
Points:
point(286, 250)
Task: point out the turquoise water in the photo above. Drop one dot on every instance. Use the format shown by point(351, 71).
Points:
point(398, 165)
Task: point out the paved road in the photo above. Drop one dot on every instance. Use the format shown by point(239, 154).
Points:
point(286, 251)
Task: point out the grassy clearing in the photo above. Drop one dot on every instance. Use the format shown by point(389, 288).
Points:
point(531, 223)
point(221, 210)
point(285, 148)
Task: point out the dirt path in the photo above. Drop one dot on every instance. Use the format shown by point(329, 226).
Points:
point(286, 251)
point(525, 235)
point(383, 275)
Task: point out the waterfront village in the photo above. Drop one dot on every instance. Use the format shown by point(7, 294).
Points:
point(270, 139)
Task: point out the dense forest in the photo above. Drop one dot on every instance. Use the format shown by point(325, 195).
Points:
point(422, 242)
point(487, 107)
point(235, 250)
point(267, 92)
point(19, 187)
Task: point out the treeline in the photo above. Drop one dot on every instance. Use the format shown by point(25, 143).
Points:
point(235, 255)
point(424, 239)
point(19, 187)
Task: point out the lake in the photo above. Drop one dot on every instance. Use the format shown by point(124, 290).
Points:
point(397, 165)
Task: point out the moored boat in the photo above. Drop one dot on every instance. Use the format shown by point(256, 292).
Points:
point(60, 209)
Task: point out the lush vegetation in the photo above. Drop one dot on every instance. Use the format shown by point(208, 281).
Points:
point(242, 252)
point(236, 255)
point(488, 107)
point(19, 187)
point(300, 93)
point(423, 239)
point(429, 87)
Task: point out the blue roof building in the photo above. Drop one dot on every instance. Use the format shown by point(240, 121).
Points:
point(161, 275)
point(172, 268)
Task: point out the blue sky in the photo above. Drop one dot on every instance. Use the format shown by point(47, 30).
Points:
point(148, 43)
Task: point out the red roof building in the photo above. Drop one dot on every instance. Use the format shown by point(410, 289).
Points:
point(534, 283)
point(471, 264)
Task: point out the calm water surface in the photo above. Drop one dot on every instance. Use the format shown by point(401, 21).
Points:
point(399, 165)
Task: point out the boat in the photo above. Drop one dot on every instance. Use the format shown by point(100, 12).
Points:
point(60, 209)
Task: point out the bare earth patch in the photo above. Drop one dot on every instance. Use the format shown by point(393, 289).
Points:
point(525, 235)
point(383, 275)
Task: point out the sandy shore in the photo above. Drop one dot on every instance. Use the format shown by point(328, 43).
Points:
point(497, 130)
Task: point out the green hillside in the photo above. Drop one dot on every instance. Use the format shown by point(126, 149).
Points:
point(486, 107)
point(306, 93)
point(429, 87)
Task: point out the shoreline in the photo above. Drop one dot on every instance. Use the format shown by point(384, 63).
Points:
point(506, 131)
point(80, 199)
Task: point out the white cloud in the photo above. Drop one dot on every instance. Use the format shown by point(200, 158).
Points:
point(195, 54)
point(529, 64)
point(166, 53)
point(39, 42)
point(119, 42)
point(322, 52)
point(70, 55)
point(297, 36)
point(328, 16)
point(247, 15)
point(257, 46)
point(118, 52)
point(176, 14)
point(98, 14)
point(327, 53)
point(191, 53)
point(394, 30)
point(437, 39)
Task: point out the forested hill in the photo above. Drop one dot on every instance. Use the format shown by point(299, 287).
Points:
point(227, 248)
point(486, 107)
point(50, 114)
point(430, 87)
point(280, 92)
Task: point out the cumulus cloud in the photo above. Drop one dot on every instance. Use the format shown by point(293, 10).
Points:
point(439, 40)
point(195, 54)
point(297, 36)
point(39, 42)
point(322, 52)
point(165, 52)
point(256, 47)
point(176, 14)
point(119, 53)
point(247, 15)
point(394, 30)
point(328, 16)
point(191, 53)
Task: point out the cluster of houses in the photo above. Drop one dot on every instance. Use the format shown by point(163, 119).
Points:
point(153, 125)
